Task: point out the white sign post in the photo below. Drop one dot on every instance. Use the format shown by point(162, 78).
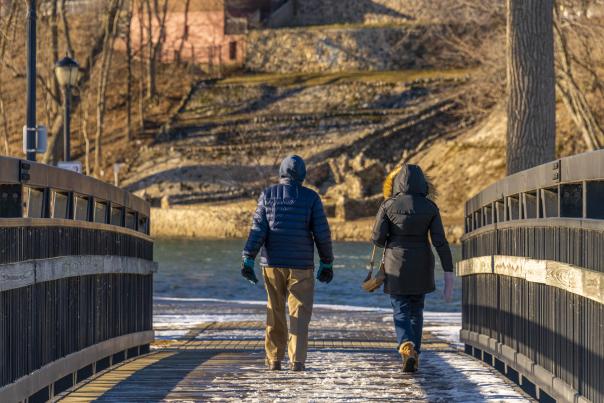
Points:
point(74, 166)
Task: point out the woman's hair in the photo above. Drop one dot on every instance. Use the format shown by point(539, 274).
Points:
point(388, 188)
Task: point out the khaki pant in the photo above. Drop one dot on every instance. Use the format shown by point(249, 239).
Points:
point(297, 287)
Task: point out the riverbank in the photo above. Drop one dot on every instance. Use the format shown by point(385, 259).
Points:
point(232, 221)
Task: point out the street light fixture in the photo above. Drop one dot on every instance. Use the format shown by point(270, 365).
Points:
point(67, 71)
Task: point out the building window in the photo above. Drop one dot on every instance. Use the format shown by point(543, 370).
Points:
point(233, 50)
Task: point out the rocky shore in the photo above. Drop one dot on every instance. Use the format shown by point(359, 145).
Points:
point(232, 220)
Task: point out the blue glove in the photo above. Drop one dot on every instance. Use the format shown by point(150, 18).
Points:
point(325, 273)
point(247, 270)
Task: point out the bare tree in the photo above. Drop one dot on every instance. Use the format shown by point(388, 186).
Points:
point(129, 84)
point(531, 133)
point(5, 130)
point(572, 95)
point(141, 57)
point(54, 35)
point(151, 84)
point(84, 121)
point(66, 29)
point(155, 47)
point(185, 33)
point(4, 25)
point(50, 108)
point(111, 33)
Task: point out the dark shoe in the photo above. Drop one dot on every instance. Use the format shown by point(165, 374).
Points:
point(273, 365)
point(410, 356)
point(297, 367)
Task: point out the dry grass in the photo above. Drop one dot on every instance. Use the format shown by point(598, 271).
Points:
point(316, 79)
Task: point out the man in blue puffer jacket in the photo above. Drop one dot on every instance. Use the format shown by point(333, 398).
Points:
point(288, 222)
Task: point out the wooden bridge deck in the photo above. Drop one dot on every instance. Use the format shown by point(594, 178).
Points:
point(352, 358)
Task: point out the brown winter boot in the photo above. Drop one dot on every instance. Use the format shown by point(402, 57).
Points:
point(273, 365)
point(297, 367)
point(409, 355)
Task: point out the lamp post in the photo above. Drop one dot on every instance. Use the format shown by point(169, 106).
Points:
point(67, 71)
point(30, 126)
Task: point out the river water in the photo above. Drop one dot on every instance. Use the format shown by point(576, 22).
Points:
point(194, 273)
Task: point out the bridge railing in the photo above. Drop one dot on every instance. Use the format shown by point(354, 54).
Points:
point(533, 278)
point(76, 279)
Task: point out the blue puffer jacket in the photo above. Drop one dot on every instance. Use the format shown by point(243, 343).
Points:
point(288, 221)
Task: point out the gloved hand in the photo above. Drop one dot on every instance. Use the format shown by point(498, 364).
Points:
point(448, 291)
point(325, 273)
point(247, 270)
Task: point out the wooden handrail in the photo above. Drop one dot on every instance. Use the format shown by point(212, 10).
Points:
point(50, 177)
point(577, 168)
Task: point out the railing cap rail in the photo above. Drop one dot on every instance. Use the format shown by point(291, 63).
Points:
point(577, 168)
point(47, 176)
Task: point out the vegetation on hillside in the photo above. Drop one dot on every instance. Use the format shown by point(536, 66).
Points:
point(123, 96)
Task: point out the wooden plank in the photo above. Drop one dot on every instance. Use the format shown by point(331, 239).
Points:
point(573, 279)
point(23, 274)
point(30, 384)
point(16, 275)
point(476, 265)
point(108, 380)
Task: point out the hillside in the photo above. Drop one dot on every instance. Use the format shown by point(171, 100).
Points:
point(356, 87)
point(344, 105)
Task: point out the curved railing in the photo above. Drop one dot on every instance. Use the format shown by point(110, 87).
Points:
point(76, 279)
point(533, 278)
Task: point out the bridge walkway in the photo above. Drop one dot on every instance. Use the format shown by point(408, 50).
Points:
point(352, 358)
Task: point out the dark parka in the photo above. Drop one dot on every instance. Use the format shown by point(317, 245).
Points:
point(402, 225)
point(289, 221)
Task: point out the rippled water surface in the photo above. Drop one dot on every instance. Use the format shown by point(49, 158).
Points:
point(210, 269)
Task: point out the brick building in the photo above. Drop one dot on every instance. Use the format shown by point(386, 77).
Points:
point(210, 32)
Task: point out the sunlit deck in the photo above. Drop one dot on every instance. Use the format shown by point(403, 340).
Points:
point(352, 358)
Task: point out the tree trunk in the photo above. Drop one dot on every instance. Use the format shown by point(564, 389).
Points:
point(4, 126)
point(54, 32)
point(185, 33)
point(54, 39)
point(130, 78)
point(531, 133)
point(66, 30)
point(151, 84)
point(3, 43)
point(84, 120)
point(155, 47)
point(141, 58)
point(101, 105)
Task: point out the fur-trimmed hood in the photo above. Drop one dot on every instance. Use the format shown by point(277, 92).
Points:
point(408, 179)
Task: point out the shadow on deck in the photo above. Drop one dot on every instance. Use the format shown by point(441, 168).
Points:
point(209, 363)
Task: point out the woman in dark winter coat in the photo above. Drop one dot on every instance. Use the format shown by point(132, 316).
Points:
point(402, 227)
